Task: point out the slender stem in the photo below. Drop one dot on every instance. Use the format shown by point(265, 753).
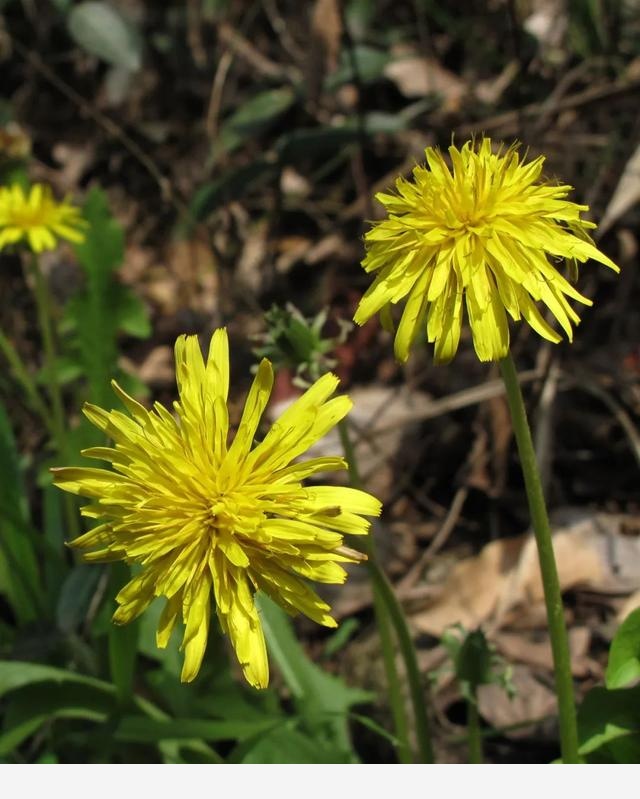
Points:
point(474, 736)
point(388, 609)
point(21, 374)
point(396, 699)
point(58, 425)
point(551, 584)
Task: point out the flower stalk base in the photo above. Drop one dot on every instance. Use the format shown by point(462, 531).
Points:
point(548, 569)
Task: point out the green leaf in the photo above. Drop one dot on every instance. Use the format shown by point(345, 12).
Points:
point(370, 63)
point(233, 184)
point(624, 655)
point(137, 729)
point(19, 577)
point(55, 566)
point(103, 307)
point(123, 641)
point(102, 31)
point(131, 315)
point(305, 144)
point(253, 117)
point(322, 699)
point(341, 637)
point(75, 596)
point(33, 705)
point(287, 745)
point(16, 674)
point(608, 715)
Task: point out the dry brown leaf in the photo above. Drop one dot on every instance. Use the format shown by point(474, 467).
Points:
point(291, 249)
point(590, 553)
point(379, 420)
point(532, 701)
point(517, 647)
point(548, 22)
point(250, 266)
point(417, 76)
point(489, 91)
point(324, 44)
point(157, 369)
point(626, 195)
point(294, 184)
point(630, 604)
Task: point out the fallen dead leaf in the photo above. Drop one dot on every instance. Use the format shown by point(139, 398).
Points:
point(157, 370)
point(379, 420)
point(590, 553)
point(324, 45)
point(490, 91)
point(626, 194)
point(529, 649)
point(532, 701)
point(418, 76)
point(250, 266)
point(630, 604)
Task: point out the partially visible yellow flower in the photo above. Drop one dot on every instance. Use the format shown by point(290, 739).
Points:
point(202, 517)
point(483, 231)
point(37, 218)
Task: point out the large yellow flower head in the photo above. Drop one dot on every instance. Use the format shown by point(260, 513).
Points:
point(204, 518)
point(483, 232)
point(37, 218)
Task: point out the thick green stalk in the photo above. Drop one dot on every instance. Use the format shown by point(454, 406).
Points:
point(58, 425)
point(388, 609)
point(474, 737)
point(551, 584)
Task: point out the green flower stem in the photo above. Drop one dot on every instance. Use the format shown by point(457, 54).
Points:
point(396, 699)
point(552, 595)
point(388, 609)
point(57, 417)
point(27, 384)
point(474, 736)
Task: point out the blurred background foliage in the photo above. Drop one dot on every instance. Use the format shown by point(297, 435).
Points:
point(226, 154)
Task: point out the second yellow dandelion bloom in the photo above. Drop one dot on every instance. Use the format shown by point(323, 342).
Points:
point(37, 218)
point(477, 235)
point(206, 519)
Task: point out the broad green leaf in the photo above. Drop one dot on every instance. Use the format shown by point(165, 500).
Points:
point(608, 715)
point(311, 144)
point(103, 307)
point(145, 730)
point(624, 655)
point(132, 317)
point(322, 699)
point(170, 656)
point(123, 641)
point(75, 596)
point(55, 566)
point(341, 637)
point(16, 674)
point(28, 708)
point(253, 117)
point(370, 63)
point(102, 31)
point(19, 578)
point(287, 745)
point(232, 184)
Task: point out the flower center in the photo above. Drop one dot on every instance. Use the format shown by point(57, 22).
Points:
point(26, 218)
point(236, 513)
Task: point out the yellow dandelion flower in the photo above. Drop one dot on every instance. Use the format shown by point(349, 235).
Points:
point(204, 518)
point(37, 218)
point(484, 231)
